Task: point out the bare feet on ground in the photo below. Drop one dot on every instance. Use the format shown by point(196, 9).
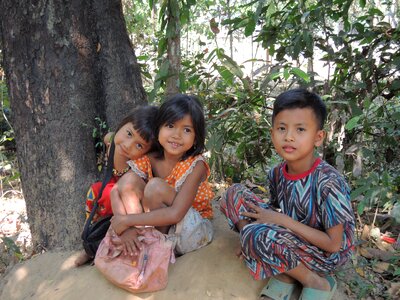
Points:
point(82, 259)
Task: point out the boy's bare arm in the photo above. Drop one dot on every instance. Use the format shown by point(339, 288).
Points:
point(329, 241)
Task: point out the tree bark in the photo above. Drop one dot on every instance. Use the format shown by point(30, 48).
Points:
point(173, 52)
point(64, 67)
point(117, 62)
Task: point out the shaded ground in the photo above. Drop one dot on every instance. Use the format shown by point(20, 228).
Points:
point(213, 272)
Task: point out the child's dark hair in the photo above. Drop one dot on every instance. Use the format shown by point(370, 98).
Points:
point(301, 98)
point(143, 119)
point(174, 109)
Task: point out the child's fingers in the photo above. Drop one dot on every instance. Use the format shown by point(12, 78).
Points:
point(138, 244)
point(131, 248)
point(254, 207)
point(249, 214)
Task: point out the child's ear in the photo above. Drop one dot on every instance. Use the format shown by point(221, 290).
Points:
point(319, 138)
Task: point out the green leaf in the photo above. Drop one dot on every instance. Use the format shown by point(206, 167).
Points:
point(182, 83)
point(226, 74)
point(163, 72)
point(230, 64)
point(286, 73)
point(10, 244)
point(360, 208)
point(361, 190)
point(241, 150)
point(352, 123)
point(142, 57)
point(362, 3)
point(301, 74)
point(162, 46)
point(304, 17)
point(395, 85)
point(250, 27)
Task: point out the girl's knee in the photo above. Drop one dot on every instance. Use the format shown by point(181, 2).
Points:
point(154, 188)
point(158, 191)
point(130, 182)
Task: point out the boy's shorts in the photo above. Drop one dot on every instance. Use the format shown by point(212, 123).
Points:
point(192, 232)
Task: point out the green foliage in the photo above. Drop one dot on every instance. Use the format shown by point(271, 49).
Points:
point(98, 133)
point(8, 169)
point(12, 248)
point(238, 115)
point(361, 49)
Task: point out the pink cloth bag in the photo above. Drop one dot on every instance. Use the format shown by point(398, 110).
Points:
point(146, 272)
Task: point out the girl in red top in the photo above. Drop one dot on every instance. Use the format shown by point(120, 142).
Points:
point(133, 138)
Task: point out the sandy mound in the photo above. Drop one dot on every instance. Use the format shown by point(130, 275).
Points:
point(213, 272)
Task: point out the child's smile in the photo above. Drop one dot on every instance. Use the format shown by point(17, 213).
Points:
point(178, 137)
point(129, 143)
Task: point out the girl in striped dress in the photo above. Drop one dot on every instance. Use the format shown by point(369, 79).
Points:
point(306, 230)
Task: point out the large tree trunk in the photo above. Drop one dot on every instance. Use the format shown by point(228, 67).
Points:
point(65, 63)
point(117, 62)
point(173, 51)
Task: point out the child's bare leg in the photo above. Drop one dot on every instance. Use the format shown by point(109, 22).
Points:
point(308, 278)
point(127, 194)
point(117, 205)
point(82, 259)
point(239, 226)
point(158, 194)
point(131, 187)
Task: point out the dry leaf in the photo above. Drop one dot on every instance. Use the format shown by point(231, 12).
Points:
point(364, 252)
point(376, 253)
point(365, 233)
point(360, 271)
point(394, 290)
point(381, 267)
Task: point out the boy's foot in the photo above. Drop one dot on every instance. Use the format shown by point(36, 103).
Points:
point(277, 290)
point(311, 293)
point(82, 259)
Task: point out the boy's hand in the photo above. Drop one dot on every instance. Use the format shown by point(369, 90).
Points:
point(118, 223)
point(261, 215)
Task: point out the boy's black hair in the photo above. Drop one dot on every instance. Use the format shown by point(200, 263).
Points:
point(143, 119)
point(301, 98)
point(174, 109)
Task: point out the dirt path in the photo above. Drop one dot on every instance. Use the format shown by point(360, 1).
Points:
point(213, 272)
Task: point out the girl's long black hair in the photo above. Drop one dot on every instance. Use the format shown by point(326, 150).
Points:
point(175, 109)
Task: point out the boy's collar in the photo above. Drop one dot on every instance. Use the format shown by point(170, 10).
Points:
point(301, 175)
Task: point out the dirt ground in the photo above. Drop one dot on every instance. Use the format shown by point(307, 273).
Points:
point(213, 272)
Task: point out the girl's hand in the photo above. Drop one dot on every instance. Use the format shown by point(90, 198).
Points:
point(262, 215)
point(129, 241)
point(119, 224)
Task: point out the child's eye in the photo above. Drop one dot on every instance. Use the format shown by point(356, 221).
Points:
point(169, 125)
point(139, 146)
point(301, 129)
point(129, 133)
point(281, 128)
point(187, 130)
